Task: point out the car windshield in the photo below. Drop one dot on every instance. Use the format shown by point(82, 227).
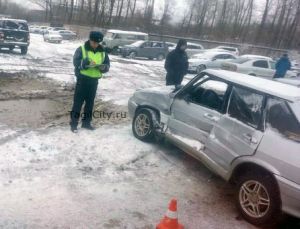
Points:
point(17, 25)
point(109, 35)
point(240, 60)
point(296, 109)
point(137, 43)
point(204, 56)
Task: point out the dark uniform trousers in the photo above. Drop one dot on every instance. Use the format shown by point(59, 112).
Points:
point(85, 91)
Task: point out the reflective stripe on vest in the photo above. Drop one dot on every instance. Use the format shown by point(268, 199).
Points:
point(96, 58)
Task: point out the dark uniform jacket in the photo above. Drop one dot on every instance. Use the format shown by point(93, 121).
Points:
point(176, 66)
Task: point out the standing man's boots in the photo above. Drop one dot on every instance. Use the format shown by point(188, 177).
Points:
point(87, 126)
point(74, 128)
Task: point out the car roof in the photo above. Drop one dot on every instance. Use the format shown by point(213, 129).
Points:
point(190, 43)
point(126, 32)
point(278, 89)
point(231, 47)
point(256, 56)
point(10, 19)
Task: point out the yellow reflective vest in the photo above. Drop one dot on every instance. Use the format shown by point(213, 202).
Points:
point(95, 58)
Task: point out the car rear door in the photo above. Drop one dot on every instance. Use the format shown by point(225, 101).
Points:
point(195, 112)
point(238, 132)
point(262, 68)
point(145, 50)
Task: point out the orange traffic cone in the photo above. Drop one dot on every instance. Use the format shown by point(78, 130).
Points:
point(170, 221)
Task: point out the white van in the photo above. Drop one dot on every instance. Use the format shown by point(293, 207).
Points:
point(113, 39)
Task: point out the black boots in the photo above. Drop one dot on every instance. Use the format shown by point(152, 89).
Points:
point(74, 129)
point(87, 126)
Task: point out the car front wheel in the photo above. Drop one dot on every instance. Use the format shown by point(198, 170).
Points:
point(258, 199)
point(132, 55)
point(142, 125)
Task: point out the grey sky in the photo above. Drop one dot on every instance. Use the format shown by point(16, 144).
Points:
point(178, 8)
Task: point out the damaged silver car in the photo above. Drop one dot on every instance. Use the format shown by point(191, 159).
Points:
point(245, 130)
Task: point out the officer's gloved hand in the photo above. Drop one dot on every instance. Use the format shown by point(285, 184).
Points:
point(85, 63)
point(104, 68)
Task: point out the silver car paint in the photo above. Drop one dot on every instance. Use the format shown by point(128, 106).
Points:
point(224, 147)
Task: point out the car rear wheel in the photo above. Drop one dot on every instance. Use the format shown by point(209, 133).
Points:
point(142, 125)
point(200, 68)
point(160, 56)
point(24, 50)
point(258, 199)
point(132, 55)
point(11, 48)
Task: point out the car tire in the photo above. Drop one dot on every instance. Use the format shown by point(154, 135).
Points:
point(132, 55)
point(142, 125)
point(24, 50)
point(200, 68)
point(252, 74)
point(11, 48)
point(258, 199)
point(160, 57)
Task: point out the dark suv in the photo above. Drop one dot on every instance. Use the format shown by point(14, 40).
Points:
point(14, 33)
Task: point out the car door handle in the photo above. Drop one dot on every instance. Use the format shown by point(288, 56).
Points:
point(211, 117)
point(250, 138)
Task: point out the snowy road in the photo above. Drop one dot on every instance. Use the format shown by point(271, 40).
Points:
point(51, 178)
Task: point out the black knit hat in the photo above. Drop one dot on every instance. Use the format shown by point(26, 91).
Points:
point(96, 36)
point(181, 42)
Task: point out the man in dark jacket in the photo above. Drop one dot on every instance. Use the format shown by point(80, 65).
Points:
point(90, 61)
point(177, 64)
point(282, 66)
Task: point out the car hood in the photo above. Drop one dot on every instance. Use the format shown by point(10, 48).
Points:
point(159, 98)
point(198, 61)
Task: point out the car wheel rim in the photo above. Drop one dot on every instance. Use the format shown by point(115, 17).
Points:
point(132, 55)
point(254, 199)
point(142, 125)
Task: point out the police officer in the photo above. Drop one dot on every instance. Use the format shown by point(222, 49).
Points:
point(90, 61)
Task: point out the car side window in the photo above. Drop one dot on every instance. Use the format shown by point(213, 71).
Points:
point(273, 64)
point(218, 57)
point(227, 56)
point(210, 94)
point(281, 119)
point(261, 64)
point(246, 106)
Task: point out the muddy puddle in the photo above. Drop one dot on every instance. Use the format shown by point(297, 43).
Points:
point(34, 102)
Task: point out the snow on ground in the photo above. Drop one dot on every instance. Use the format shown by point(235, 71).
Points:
point(50, 179)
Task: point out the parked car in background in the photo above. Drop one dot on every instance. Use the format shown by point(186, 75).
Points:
point(171, 45)
point(34, 29)
point(254, 67)
point(14, 34)
point(43, 29)
point(53, 37)
point(147, 49)
point(231, 49)
point(67, 35)
point(113, 39)
point(209, 59)
point(256, 57)
point(246, 131)
point(192, 49)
